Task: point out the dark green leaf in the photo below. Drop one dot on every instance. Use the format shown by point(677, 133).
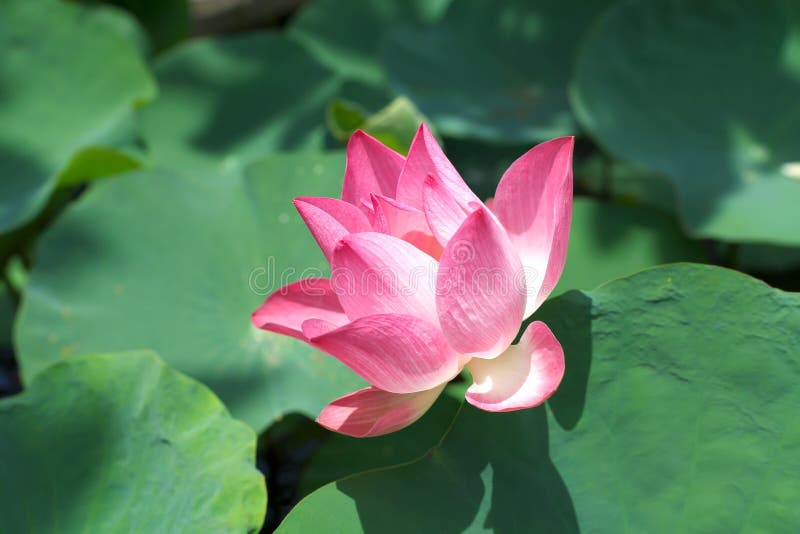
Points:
point(678, 413)
point(227, 101)
point(166, 21)
point(346, 36)
point(705, 93)
point(612, 240)
point(495, 71)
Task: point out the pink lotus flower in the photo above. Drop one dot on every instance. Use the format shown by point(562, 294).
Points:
point(427, 279)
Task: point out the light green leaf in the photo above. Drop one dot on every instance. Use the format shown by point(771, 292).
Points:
point(122, 443)
point(494, 71)
point(16, 273)
point(227, 101)
point(55, 99)
point(678, 413)
point(395, 125)
point(177, 264)
point(674, 86)
point(97, 162)
point(344, 117)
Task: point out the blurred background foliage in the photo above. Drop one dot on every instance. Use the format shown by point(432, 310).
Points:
point(149, 152)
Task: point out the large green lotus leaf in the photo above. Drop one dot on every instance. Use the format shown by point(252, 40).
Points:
point(662, 83)
point(612, 240)
point(67, 79)
point(177, 264)
point(607, 241)
point(495, 71)
point(227, 101)
point(123, 443)
point(678, 413)
point(346, 35)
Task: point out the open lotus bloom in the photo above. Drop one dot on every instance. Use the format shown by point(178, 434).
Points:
point(426, 279)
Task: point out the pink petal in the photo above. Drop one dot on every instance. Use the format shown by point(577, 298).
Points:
point(524, 376)
point(378, 273)
point(534, 203)
point(446, 208)
point(371, 168)
point(480, 288)
point(401, 220)
point(329, 220)
point(425, 157)
point(371, 412)
point(396, 353)
point(287, 308)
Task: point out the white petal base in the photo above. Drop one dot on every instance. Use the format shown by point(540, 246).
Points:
point(524, 376)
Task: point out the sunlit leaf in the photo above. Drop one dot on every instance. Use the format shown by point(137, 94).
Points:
point(67, 81)
point(177, 264)
point(122, 443)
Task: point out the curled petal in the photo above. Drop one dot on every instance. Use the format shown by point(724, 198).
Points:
point(446, 208)
point(396, 353)
point(287, 308)
point(523, 376)
point(480, 288)
point(378, 273)
point(401, 220)
point(534, 203)
point(425, 157)
point(329, 220)
point(371, 168)
point(372, 412)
